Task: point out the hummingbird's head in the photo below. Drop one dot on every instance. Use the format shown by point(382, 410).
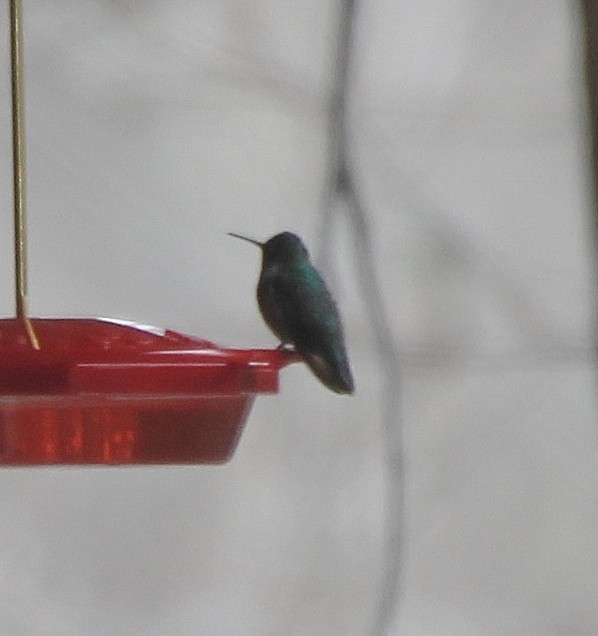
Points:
point(285, 246)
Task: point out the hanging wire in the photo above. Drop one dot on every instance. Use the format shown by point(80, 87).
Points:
point(590, 28)
point(343, 187)
point(18, 155)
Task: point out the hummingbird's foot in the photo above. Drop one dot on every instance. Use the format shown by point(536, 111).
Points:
point(285, 346)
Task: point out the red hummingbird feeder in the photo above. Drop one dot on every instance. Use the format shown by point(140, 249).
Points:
point(105, 392)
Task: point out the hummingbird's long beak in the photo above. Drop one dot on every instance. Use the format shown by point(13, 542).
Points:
point(244, 238)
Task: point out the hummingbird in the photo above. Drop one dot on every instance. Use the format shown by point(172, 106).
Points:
point(297, 306)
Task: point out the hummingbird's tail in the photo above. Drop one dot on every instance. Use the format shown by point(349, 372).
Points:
point(333, 373)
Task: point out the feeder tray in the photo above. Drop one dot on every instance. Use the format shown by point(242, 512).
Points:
point(109, 392)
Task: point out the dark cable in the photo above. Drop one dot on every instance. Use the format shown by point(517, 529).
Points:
point(342, 186)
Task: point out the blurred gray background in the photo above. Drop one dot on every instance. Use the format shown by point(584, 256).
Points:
point(156, 127)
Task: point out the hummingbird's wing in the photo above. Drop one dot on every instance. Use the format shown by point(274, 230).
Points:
point(299, 308)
